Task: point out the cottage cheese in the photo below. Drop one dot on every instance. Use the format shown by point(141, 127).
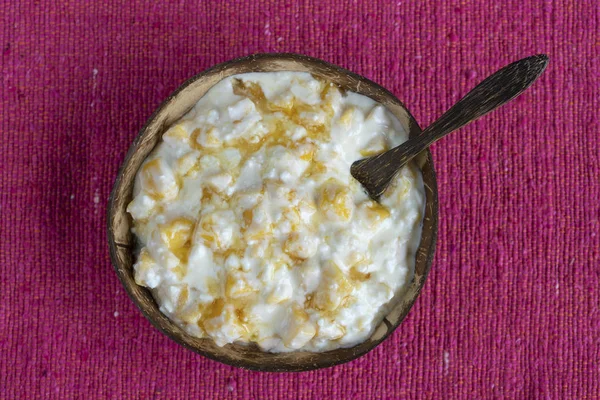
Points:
point(252, 228)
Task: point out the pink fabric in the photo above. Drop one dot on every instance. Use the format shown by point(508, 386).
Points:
point(511, 308)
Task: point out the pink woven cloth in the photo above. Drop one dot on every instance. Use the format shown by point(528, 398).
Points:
point(511, 307)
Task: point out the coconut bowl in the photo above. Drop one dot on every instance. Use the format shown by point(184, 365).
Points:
point(122, 243)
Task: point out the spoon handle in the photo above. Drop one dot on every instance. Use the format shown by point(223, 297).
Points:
point(375, 173)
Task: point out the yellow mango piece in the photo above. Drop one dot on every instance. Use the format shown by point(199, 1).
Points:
point(374, 213)
point(247, 214)
point(158, 180)
point(187, 165)
point(212, 309)
point(307, 151)
point(205, 138)
point(335, 201)
point(347, 116)
point(183, 298)
point(177, 235)
point(177, 133)
point(191, 315)
point(258, 224)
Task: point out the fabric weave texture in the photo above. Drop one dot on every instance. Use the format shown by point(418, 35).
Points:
point(511, 307)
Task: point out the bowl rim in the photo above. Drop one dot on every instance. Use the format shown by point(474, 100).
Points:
point(112, 212)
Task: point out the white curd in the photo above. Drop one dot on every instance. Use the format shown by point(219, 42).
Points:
point(252, 228)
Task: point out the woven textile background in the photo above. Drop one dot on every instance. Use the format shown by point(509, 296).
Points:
point(511, 307)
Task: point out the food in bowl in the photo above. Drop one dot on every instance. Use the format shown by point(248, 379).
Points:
point(251, 228)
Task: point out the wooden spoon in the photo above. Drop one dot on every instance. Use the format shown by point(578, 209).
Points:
point(375, 173)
